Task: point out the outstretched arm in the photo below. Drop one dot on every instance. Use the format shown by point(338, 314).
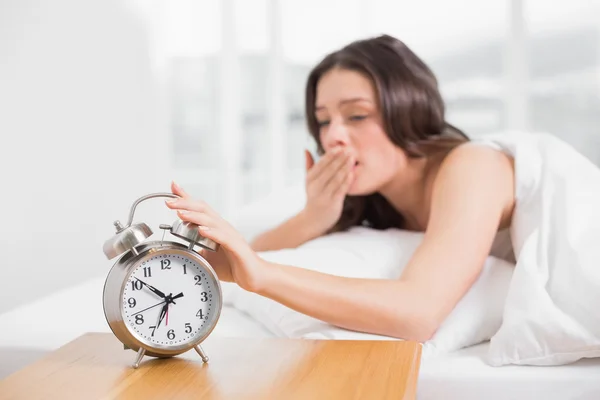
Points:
point(385, 307)
point(472, 193)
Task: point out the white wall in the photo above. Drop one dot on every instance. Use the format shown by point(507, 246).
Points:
point(82, 138)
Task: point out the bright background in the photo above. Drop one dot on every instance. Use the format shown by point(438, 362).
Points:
point(104, 101)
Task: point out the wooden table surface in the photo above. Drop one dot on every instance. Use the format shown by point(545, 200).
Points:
point(95, 366)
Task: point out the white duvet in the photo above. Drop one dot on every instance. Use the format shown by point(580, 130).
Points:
point(551, 313)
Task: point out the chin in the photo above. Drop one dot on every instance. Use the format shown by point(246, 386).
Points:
point(362, 185)
point(356, 189)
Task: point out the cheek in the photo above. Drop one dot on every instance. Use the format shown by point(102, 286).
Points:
point(378, 170)
point(380, 155)
point(380, 161)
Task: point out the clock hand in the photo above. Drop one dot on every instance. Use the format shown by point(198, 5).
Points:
point(170, 299)
point(176, 297)
point(152, 288)
point(162, 314)
point(157, 304)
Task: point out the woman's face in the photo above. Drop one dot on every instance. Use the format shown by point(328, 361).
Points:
point(348, 115)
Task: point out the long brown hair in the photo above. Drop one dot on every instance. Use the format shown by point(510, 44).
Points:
point(412, 112)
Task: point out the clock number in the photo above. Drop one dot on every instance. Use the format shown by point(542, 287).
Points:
point(147, 272)
point(171, 334)
point(199, 314)
point(139, 319)
point(153, 329)
point(165, 264)
point(131, 302)
point(184, 269)
point(188, 328)
point(204, 297)
point(136, 285)
point(197, 279)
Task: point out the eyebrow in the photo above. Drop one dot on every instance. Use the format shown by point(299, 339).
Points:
point(345, 101)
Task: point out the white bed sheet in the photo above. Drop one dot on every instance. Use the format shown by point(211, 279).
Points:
point(32, 330)
point(465, 375)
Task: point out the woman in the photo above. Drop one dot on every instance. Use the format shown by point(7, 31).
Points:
point(389, 160)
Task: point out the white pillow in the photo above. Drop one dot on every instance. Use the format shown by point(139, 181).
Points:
point(368, 253)
point(269, 211)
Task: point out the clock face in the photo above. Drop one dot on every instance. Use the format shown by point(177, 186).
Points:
point(170, 300)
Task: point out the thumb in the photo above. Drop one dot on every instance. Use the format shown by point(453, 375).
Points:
point(309, 159)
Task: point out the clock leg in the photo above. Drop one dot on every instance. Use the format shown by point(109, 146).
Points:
point(202, 353)
point(140, 355)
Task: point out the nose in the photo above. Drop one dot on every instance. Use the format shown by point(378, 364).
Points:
point(335, 135)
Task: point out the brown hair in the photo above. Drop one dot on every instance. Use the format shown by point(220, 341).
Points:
point(412, 112)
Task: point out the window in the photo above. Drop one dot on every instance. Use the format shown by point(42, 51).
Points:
point(236, 71)
point(564, 72)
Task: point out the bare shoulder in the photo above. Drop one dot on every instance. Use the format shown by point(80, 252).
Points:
point(473, 163)
point(480, 173)
point(470, 155)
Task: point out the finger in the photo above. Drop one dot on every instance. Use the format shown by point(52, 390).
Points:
point(320, 180)
point(218, 235)
point(203, 219)
point(324, 163)
point(337, 168)
point(340, 178)
point(178, 190)
point(200, 213)
point(210, 227)
point(342, 189)
point(198, 218)
point(189, 204)
point(309, 160)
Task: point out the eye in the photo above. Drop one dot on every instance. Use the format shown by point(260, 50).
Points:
point(358, 117)
point(322, 123)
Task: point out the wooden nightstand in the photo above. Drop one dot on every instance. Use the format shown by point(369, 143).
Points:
point(95, 366)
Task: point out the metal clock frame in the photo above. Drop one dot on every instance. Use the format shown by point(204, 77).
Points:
point(128, 243)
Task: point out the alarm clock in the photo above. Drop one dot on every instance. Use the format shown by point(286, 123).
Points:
point(160, 298)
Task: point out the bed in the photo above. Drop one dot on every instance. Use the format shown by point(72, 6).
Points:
point(31, 331)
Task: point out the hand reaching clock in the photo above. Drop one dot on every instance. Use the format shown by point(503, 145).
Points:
point(235, 261)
